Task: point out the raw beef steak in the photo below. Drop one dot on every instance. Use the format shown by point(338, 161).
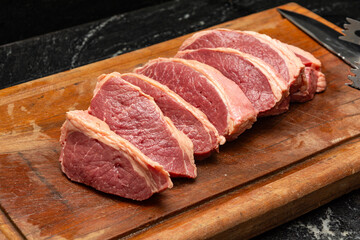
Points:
point(271, 51)
point(314, 78)
point(136, 117)
point(222, 101)
point(185, 117)
point(260, 83)
point(94, 155)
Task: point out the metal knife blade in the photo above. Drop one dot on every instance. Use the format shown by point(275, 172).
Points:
point(355, 78)
point(350, 31)
point(326, 36)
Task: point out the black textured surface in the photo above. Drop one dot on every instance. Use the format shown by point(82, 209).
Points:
point(338, 219)
point(119, 31)
point(57, 51)
point(22, 19)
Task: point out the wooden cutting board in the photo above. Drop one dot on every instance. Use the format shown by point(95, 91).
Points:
point(283, 167)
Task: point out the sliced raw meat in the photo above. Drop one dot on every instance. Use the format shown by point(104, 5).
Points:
point(136, 117)
point(321, 81)
point(94, 155)
point(314, 78)
point(222, 101)
point(261, 85)
point(271, 51)
point(185, 117)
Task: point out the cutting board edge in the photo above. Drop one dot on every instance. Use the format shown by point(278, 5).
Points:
point(228, 213)
point(8, 229)
point(266, 220)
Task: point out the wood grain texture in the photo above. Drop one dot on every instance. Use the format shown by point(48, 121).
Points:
point(282, 167)
point(7, 229)
point(262, 205)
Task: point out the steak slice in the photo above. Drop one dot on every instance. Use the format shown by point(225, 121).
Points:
point(94, 155)
point(185, 117)
point(222, 101)
point(314, 78)
point(271, 51)
point(136, 117)
point(261, 85)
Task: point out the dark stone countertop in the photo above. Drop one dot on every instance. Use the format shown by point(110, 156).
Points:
point(139, 25)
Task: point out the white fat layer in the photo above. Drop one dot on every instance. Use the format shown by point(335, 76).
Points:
point(321, 82)
point(94, 128)
point(186, 146)
point(305, 54)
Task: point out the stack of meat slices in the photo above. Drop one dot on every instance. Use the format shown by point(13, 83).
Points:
point(144, 127)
